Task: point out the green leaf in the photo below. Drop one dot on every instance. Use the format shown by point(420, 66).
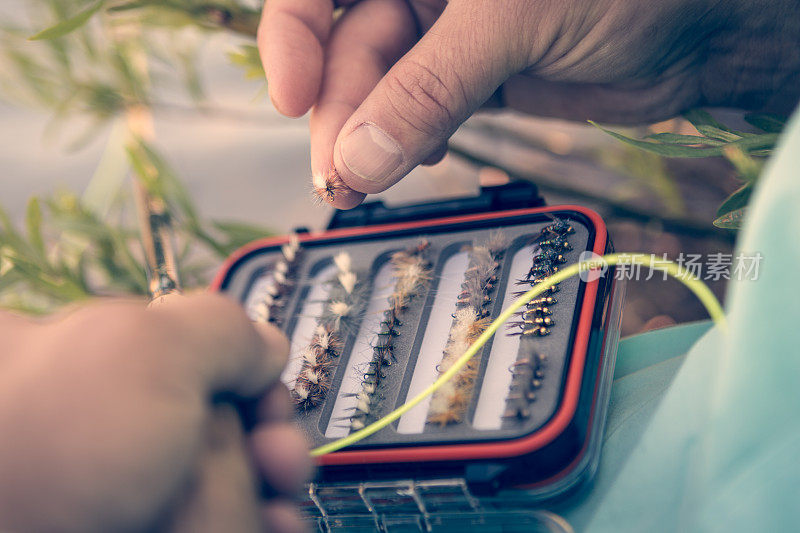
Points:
point(161, 182)
point(747, 167)
point(128, 6)
point(69, 25)
point(748, 144)
point(710, 127)
point(37, 84)
point(732, 220)
point(80, 273)
point(169, 187)
point(249, 59)
point(33, 222)
point(9, 236)
point(720, 135)
point(24, 309)
point(136, 270)
point(102, 99)
point(737, 200)
point(6, 265)
point(766, 122)
point(132, 78)
point(62, 55)
point(666, 150)
point(674, 138)
point(41, 279)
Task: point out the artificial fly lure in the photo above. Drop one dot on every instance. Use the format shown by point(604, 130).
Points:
point(535, 318)
point(551, 245)
point(344, 300)
point(411, 272)
point(526, 377)
point(327, 186)
point(320, 357)
point(268, 305)
point(472, 317)
point(558, 229)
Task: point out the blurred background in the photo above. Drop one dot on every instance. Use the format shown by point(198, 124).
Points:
point(172, 94)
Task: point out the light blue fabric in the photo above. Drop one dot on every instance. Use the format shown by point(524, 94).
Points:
point(711, 441)
point(642, 351)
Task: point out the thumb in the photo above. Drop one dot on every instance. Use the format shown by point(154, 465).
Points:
point(420, 102)
point(214, 340)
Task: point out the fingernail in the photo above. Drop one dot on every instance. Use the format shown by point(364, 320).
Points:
point(370, 153)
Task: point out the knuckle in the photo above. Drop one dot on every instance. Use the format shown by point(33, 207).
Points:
point(421, 97)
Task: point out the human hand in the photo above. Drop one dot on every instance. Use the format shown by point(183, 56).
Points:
point(391, 80)
point(108, 422)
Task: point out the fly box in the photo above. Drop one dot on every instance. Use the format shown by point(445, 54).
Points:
point(376, 311)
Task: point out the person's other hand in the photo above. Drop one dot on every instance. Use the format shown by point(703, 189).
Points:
point(391, 80)
point(108, 421)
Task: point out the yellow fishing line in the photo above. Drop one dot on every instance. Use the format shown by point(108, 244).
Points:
point(694, 284)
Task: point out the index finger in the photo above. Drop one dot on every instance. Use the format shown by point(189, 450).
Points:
point(365, 42)
point(291, 40)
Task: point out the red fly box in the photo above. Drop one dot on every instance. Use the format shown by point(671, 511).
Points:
point(375, 313)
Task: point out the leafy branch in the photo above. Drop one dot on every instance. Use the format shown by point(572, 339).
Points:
point(100, 62)
point(745, 151)
point(69, 251)
point(230, 16)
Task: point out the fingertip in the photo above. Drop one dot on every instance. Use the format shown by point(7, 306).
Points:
point(276, 344)
point(281, 456)
point(328, 187)
point(290, 106)
point(348, 199)
point(292, 57)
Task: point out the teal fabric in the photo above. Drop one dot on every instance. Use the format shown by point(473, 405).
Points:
point(641, 351)
point(710, 440)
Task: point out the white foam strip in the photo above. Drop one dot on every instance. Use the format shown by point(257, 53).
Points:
point(497, 380)
point(307, 323)
point(361, 354)
point(437, 332)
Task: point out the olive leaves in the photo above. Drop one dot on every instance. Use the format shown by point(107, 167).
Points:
point(745, 151)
